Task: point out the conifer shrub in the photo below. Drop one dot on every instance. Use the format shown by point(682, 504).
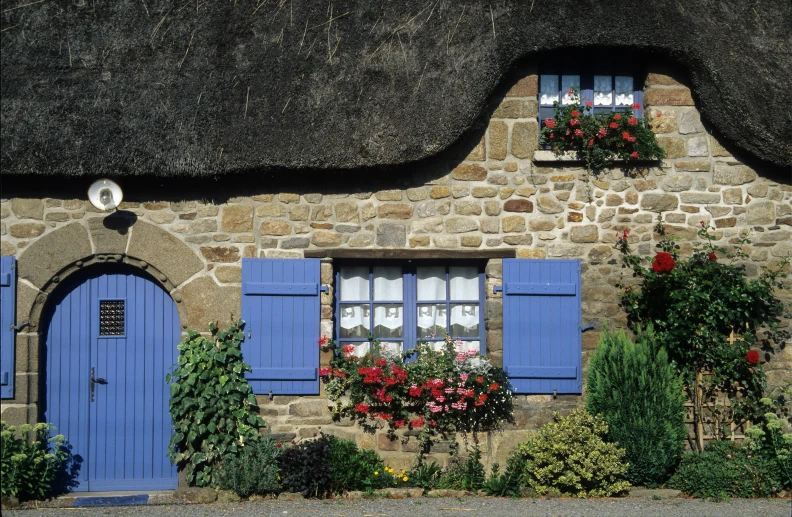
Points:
point(570, 456)
point(639, 393)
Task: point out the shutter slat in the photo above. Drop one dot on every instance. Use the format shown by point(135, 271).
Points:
point(7, 321)
point(281, 309)
point(541, 322)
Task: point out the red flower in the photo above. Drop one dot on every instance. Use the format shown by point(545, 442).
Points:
point(480, 379)
point(663, 262)
point(339, 373)
point(632, 121)
point(574, 113)
point(574, 122)
point(658, 115)
point(324, 371)
point(712, 256)
point(613, 125)
point(626, 135)
point(617, 117)
point(549, 123)
point(752, 357)
point(494, 386)
point(362, 408)
point(591, 142)
point(381, 361)
point(625, 234)
point(636, 106)
point(415, 392)
point(634, 154)
point(398, 423)
point(348, 349)
point(552, 135)
point(323, 340)
point(589, 104)
point(578, 132)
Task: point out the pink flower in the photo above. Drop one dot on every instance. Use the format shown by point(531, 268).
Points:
point(471, 352)
point(464, 376)
point(461, 356)
point(440, 399)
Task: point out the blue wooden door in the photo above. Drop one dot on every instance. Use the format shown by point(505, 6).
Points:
point(541, 325)
point(110, 341)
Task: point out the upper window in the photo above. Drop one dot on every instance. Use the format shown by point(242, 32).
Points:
point(607, 93)
point(399, 305)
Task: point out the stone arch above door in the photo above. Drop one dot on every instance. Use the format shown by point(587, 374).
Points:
point(59, 254)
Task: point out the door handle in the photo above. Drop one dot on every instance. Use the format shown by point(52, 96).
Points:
point(94, 382)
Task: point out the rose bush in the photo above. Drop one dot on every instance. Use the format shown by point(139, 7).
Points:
point(600, 139)
point(695, 305)
point(440, 392)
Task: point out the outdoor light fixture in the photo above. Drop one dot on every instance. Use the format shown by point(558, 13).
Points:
point(105, 194)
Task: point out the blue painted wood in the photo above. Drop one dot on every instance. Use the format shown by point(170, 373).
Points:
point(7, 322)
point(123, 500)
point(281, 324)
point(123, 433)
point(541, 331)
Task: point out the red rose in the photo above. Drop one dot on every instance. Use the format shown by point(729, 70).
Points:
point(634, 154)
point(574, 122)
point(617, 117)
point(663, 262)
point(549, 123)
point(632, 121)
point(613, 125)
point(752, 357)
point(574, 113)
point(712, 256)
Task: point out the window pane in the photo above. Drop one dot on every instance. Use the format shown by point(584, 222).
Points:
point(475, 346)
point(388, 284)
point(603, 90)
point(464, 283)
point(548, 89)
point(388, 320)
point(391, 347)
point(624, 90)
point(354, 284)
point(431, 283)
point(567, 82)
point(360, 349)
point(431, 321)
point(354, 321)
point(465, 320)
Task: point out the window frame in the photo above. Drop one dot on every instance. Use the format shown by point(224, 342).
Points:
point(410, 301)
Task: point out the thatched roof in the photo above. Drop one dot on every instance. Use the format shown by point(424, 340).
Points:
point(211, 87)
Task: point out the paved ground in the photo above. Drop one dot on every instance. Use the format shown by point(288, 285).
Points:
point(445, 507)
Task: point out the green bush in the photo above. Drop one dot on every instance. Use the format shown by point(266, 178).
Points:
point(767, 437)
point(639, 393)
point(726, 469)
point(212, 404)
point(424, 475)
point(570, 456)
point(306, 467)
point(35, 466)
point(253, 470)
point(354, 468)
point(506, 484)
point(464, 473)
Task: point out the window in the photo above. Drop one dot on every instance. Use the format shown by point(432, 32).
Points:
point(401, 304)
point(607, 92)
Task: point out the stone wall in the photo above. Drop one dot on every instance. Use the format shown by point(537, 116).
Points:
point(496, 192)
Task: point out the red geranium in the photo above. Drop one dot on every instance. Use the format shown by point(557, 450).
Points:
point(323, 340)
point(549, 123)
point(634, 154)
point(362, 408)
point(636, 106)
point(575, 113)
point(712, 256)
point(578, 132)
point(589, 104)
point(663, 262)
point(626, 135)
point(752, 357)
point(613, 125)
point(617, 117)
point(324, 371)
point(574, 122)
point(632, 121)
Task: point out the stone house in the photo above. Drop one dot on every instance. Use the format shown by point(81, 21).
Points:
point(351, 169)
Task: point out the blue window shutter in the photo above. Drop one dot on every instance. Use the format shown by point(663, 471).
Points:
point(7, 321)
point(541, 325)
point(281, 309)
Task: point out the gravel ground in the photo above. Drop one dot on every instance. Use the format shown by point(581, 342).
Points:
point(445, 507)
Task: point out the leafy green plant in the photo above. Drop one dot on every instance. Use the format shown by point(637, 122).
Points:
point(506, 484)
point(768, 437)
point(306, 467)
point(441, 392)
point(638, 392)
point(600, 139)
point(726, 469)
point(464, 473)
point(425, 475)
point(35, 466)
point(569, 456)
point(695, 305)
point(253, 470)
point(212, 404)
point(354, 468)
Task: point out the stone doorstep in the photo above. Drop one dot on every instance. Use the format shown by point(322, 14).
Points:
point(66, 500)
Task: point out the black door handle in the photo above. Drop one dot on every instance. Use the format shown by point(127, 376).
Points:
point(94, 382)
point(98, 381)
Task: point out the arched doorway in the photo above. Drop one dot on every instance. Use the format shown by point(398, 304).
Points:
point(111, 336)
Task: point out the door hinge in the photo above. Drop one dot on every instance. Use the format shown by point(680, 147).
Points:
point(497, 288)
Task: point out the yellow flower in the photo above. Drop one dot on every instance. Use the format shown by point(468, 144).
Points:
point(404, 478)
point(376, 473)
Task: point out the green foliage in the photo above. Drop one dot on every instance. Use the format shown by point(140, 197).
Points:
point(506, 484)
point(253, 470)
point(639, 393)
point(439, 393)
point(35, 466)
point(695, 307)
point(726, 469)
point(768, 437)
point(600, 139)
point(353, 468)
point(212, 404)
point(425, 475)
point(306, 467)
point(570, 456)
point(464, 473)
